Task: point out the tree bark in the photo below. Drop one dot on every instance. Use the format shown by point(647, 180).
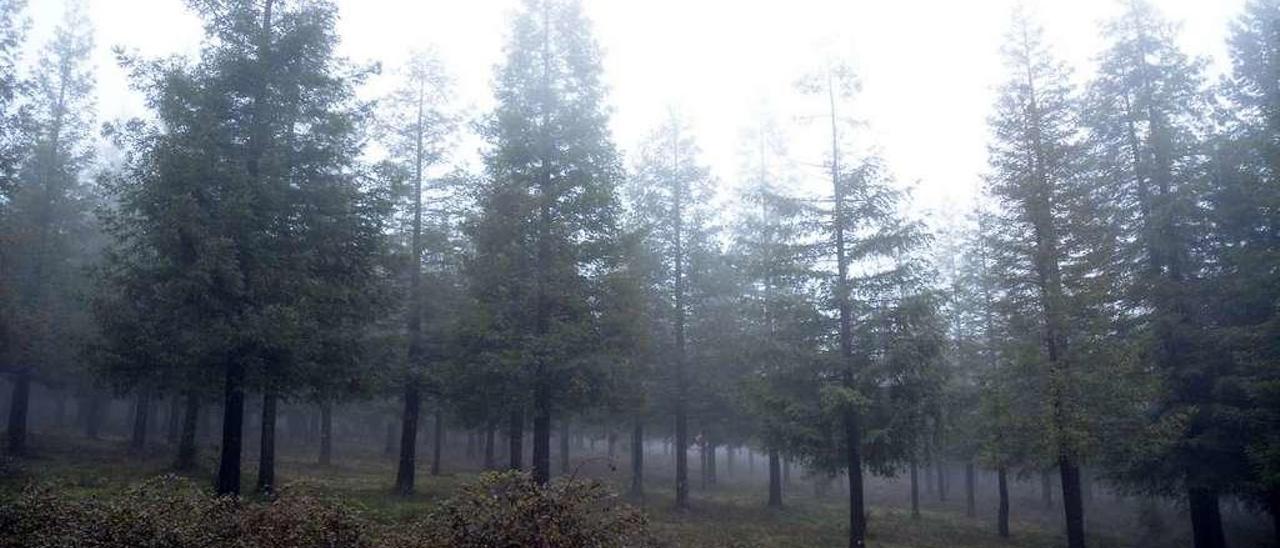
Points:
point(915, 490)
point(489, 433)
point(1002, 516)
point(564, 446)
point(1046, 489)
point(515, 439)
point(970, 505)
point(232, 429)
point(326, 434)
point(942, 480)
point(1273, 508)
point(174, 427)
point(712, 478)
point(186, 460)
point(1206, 519)
point(19, 402)
point(775, 479)
point(267, 447)
point(408, 439)
point(1073, 503)
point(389, 448)
point(141, 410)
point(542, 435)
point(438, 443)
point(637, 460)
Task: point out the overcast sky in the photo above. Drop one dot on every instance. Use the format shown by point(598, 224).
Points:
point(928, 68)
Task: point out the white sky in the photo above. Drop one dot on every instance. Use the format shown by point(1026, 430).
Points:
point(928, 67)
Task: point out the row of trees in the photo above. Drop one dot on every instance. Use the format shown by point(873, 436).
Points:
point(1111, 303)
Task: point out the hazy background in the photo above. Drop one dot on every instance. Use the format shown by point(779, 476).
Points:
point(929, 68)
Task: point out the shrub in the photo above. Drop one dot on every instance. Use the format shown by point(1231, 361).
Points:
point(509, 509)
point(501, 510)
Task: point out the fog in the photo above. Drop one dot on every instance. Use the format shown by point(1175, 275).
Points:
point(593, 273)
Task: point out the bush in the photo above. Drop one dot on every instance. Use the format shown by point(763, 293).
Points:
point(174, 512)
point(509, 509)
point(500, 510)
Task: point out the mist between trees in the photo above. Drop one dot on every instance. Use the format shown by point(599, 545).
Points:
point(1107, 316)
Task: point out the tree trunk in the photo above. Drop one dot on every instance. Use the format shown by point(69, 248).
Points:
point(1072, 502)
point(970, 505)
point(775, 479)
point(942, 480)
point(99, 408)
point(1206, 519)
point(326, 434)
point(267, 447)
point(857, 515)
point(174, 427)
point(1002, 516)
point(564, 446)
point(786, 473)
point(711, 464)
point(389, 448)
point(232, 429)
point(438, 444)
point(637, 460)
point(1273, 507)
point(187, 442)
point(915, 490)
point(702, 466)
point(141, 410)
point(489, 433)
point(408, 439)
point(60, 410)
point(471, 446)
point(515, 439)
point(19, 402)
point(1046, 489)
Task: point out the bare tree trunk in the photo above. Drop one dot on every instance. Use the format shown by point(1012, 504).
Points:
point(141, 410)
point(942, 480)
point(915, 489)
point(1206, 519)
point(1002, 516)
point(515, 437)
point(232, 429)
point(19, 402)
point(775, 479)
point(407, 467)
point(637, 460)
point(1046, 489)
point(174, 420)
point(970, 505)
point(438, 444)
point(564, 446)
point(267, 447)
point(489, 433)
point(186, 460)
point(389, 448)
point(326, 434)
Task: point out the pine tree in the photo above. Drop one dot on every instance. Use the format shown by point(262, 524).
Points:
point(775, 252)
point(13, 30)
point(419, 126)
point(1244, 209)
point(1147, 121)
point(47, 216)
point(549, 212)
point(670, 190)
point(248, 226)
point(1034, 160)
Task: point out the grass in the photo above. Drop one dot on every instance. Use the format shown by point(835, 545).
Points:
point(730, 515)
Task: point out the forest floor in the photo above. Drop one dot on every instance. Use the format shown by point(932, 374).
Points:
point(731, 514)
